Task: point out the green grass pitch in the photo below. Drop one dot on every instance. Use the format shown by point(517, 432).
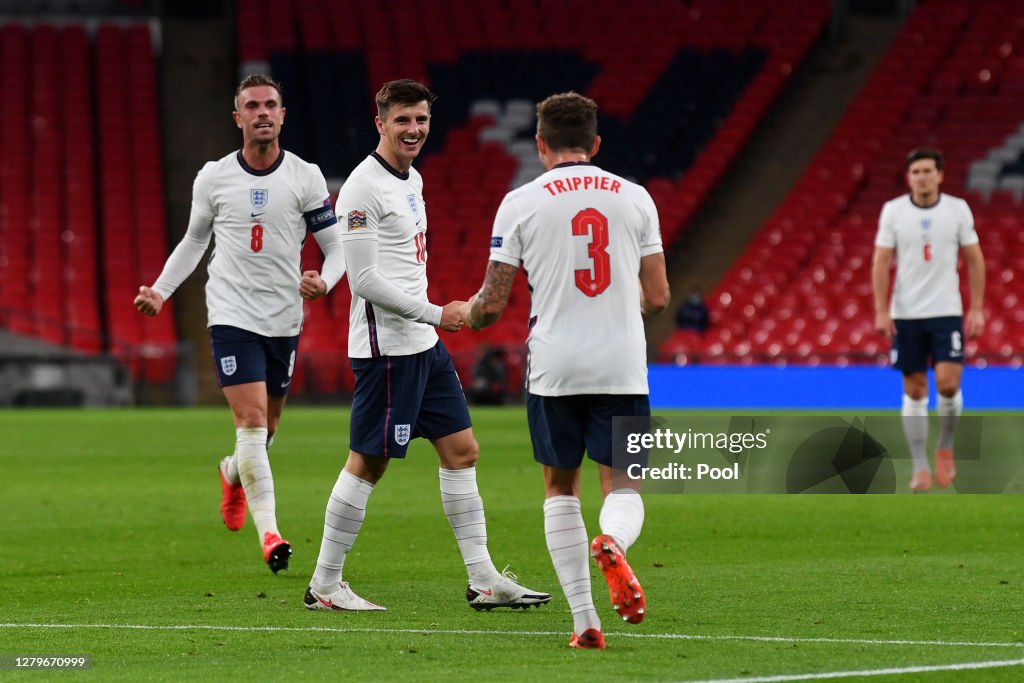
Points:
point(113, 547)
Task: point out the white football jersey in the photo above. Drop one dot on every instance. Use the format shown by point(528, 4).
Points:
point(579, 233)
point(379, 203)
point(927, 241)
point(259, 221)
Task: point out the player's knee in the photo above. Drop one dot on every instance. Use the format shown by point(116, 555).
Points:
point(916, 392)
point(915, 387)
point(947, 388)
point(366, 467)
point(465, 455)
point(470, 453)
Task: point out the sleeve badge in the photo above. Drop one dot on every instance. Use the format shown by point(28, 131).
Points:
point(356, 220)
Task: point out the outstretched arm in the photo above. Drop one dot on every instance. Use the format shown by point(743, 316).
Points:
point(367, 282)
point(487, 306)
point(180, 264)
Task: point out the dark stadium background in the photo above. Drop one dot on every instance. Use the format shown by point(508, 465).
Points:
point(768, 133)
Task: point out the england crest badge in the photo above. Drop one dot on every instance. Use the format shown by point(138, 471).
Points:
point(402, 433)
point(228, 365)
point(259, 197)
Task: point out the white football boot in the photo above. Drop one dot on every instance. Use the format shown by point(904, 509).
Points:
point(505, 592)
point(341, 600)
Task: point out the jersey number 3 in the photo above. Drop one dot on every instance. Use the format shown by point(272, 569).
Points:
point(593, 281)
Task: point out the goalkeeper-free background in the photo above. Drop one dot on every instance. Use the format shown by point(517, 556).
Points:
point(115, 548)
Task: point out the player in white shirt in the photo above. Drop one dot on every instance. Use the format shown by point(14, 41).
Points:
point(928, 230)
point(590, 243)
point(406, 384)
point(258, 204)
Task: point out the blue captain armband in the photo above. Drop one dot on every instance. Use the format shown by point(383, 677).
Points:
point(320, 217)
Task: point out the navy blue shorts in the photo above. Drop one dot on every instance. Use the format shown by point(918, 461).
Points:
point(563, 427)
point(927, 341)
point(400, 398)
point(241, 356)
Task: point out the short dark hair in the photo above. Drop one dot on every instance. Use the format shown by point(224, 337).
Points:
point(402, 92)
point(925, 153)
point(567, 121)
point(255, 80)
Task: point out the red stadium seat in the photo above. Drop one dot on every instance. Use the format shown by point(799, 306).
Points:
point(827, 268)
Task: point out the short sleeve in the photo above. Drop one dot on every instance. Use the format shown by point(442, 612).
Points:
point(966, 233)
point(506, 236)
point(650, 235)
point(202, 193)
point(886, 236)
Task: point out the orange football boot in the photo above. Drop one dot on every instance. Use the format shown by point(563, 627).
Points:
point(276, 551)
point(922, 480)
point(232, 502)
point(626, 594)
point(945, 469)
point(591, 639)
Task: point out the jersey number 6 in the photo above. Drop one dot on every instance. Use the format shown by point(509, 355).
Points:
point(593, 281)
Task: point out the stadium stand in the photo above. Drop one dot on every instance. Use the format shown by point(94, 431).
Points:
point(75, 244)
point(15, 175)
point(134, 233)
point(49, 284)
point(681, 86)
point(954, 79)
point(81, 283)
point(801, 292)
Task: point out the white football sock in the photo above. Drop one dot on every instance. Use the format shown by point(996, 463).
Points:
point(949, 410)
point(464, 508)
point(257, 480)
point(346, 510)
point(915, 427)
point(566, 536)
point(229, 465)
point(622, 517)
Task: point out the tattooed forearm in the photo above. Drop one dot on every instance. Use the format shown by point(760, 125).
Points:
point(490, 301)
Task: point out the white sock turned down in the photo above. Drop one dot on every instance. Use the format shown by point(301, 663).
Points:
point(622, 517)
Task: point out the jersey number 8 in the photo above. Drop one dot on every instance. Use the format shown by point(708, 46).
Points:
point(257, 238)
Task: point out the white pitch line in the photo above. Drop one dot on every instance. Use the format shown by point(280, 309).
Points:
point(481, 632)
point(963, 666)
